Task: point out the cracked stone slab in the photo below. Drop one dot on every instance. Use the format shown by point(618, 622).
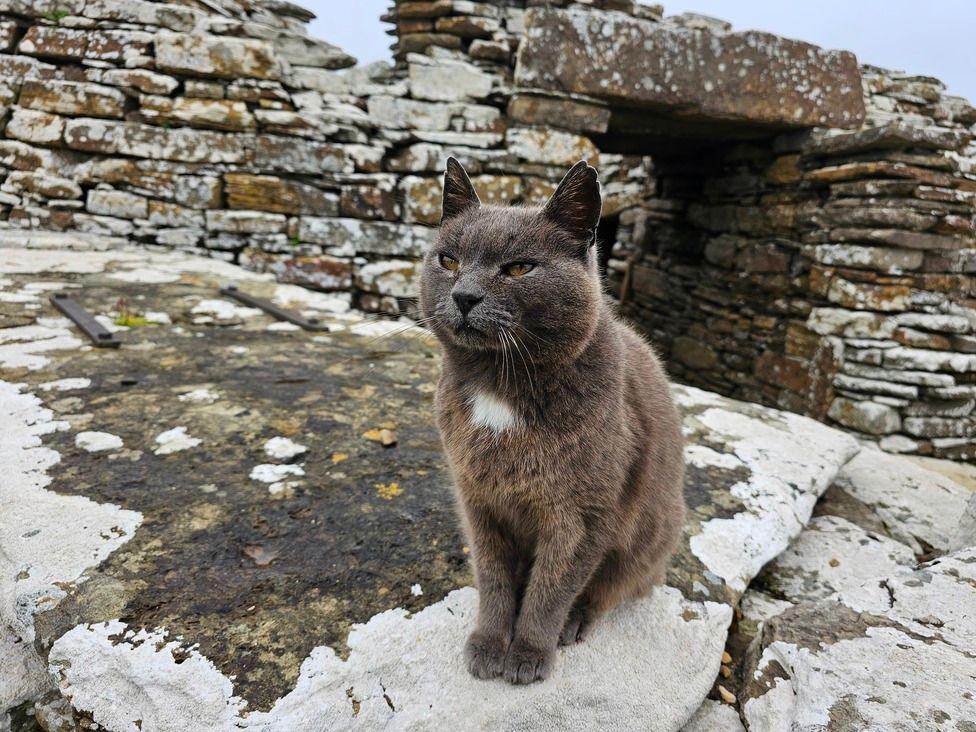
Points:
point(832, 554)
point(275, 601)
point(918, 506)
point(898, 652)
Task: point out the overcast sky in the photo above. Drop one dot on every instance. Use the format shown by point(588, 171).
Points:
point(933, 38)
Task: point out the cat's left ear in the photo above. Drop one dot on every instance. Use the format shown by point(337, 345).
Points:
point(576, 204)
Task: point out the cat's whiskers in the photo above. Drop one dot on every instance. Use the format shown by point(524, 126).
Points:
point(519, 345)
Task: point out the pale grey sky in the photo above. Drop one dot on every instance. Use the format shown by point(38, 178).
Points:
point(934, 38)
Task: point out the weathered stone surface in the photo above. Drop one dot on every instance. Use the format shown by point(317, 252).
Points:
point(147, 141)
point(396, 278)
point(568, 114)
point(447, 80)
point(68, 97)
point(366, 237)
point(267, 193)
point(832, 555)
point(245, 222)
point(305, 51)
point(218, 114)
point(641, 63)
point(274, 153)
point(897, 651)
point(870, 417)
point(919, 507)
point(891, 136)
point(201, 55)
point(33, 126)
point(45, 184)
point(146, 81)
point(166, 15)
point(117, 203)
point(551, 147)
point(71, 43)
point(879, 259)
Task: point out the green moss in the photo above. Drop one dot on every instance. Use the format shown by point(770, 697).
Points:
point(55, 16)
point(130, 320)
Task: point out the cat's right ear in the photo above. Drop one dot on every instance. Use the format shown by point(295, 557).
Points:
point(459, 194)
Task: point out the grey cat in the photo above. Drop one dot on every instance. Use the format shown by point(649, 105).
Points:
point(557, 421)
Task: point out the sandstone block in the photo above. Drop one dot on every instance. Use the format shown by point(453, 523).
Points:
point(72, 43)
point(165, 15)
point(144, 80)
point(32, 126)
point(42, 183)
point(870, 417)
point(751, 77)
point(222, 56)
point(246, 222)
point(72, 98)
point(119, 204)
point(218, 114)
point(394, 278)
point(551, 147)
point(563, 113)
point(447, 80)
point(276, 153)
point(268, 193)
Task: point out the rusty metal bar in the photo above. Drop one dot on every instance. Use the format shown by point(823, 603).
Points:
point(273, 310)
point(95, 331)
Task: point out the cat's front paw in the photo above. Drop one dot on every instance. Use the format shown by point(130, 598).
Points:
point(485, 655)
point(526, 663)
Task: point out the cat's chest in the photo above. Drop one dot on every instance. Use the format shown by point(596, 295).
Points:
point(488, 412)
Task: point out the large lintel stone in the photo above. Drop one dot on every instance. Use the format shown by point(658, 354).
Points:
point(748, 77)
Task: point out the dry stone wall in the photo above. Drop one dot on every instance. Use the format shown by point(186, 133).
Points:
point(827, 270)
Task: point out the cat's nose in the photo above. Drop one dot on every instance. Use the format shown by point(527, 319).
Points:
point(466, 300)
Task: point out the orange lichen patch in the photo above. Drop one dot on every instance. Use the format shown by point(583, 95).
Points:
point(338, 457)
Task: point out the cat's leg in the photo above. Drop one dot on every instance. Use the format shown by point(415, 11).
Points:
point(566, 556)
point(496, 571)
point(601, 594)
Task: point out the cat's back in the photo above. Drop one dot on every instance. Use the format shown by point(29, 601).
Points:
point(647, 391)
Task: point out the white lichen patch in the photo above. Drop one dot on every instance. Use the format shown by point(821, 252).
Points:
point(308, 301)
point(790, 460)
point(217, 310)
point(282, 326)
point(70, 384)
point(271, 473)
point(282, 448)
point(408, 671)
point(98, 441)
point(24, 346)
point(416, 590)
point(911, 667)
point(174, 440)
point(200, 396)
point(47, 539)
point(131, 681)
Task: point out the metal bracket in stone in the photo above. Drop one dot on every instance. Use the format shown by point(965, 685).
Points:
point(99, 335)
point(273, 310)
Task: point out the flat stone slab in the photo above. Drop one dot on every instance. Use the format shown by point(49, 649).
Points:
point(261, 559)
point(898, 652)
point(751, 77)
point(917, 506)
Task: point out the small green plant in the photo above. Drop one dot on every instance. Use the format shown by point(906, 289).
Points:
point(128, 318)
point(295, 241)
point(55, 16)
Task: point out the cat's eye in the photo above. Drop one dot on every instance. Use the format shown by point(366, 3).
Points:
point(449, 262)
point(517, 269)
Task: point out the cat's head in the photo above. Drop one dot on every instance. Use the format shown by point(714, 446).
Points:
point(515, 278)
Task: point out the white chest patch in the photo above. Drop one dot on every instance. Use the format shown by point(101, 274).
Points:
point(492, 413)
